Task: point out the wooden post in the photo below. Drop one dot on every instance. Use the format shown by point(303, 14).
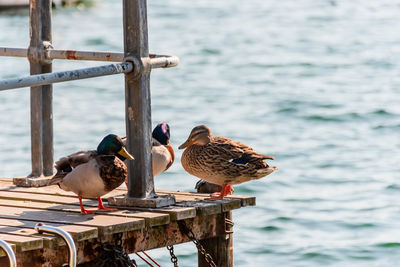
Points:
point(41, 96)
point(220, 247)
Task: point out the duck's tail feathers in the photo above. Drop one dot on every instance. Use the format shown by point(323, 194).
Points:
point(266, 171)
point(266, 156)
point(57, 178)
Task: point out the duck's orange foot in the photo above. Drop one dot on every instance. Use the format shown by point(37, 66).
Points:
point(106, 209)
point(101, 206)
point(226, 190)
point(84, 211)
point(216, 196)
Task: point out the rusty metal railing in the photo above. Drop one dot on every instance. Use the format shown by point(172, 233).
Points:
point(9, 252)
point(136, 63)
point(156, 61)
point(69, 241)
point(56, 77)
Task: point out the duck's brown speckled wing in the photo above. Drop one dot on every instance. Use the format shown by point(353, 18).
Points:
point(112, 170)
point(232, 150)
point(75, 159)
point(66, 164)
point(229, 159)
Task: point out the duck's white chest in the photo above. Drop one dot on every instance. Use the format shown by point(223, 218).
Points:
point(161, 157)
point(85, 181)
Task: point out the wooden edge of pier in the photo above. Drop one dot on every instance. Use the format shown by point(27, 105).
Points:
point(21, 208)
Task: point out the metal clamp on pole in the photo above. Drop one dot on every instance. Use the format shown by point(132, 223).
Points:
point(10, 253)
point(138, 66)
point(41, 228)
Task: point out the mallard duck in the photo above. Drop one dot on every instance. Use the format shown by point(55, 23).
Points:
point(93, 173)
point(222, 161)
point(162, 153)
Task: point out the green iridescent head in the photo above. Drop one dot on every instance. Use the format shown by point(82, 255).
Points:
point(112, 145)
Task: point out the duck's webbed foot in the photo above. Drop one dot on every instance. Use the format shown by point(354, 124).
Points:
point(101, 206)
point(226, 190)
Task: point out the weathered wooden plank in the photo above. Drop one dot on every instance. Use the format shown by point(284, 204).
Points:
point(151, 219)
point(23, 243)
point(106, 225)
point(206, 206)
point(48, 190)
point(45, 198)
point(182, 210)
point(78, 232)
point(48, 240)
point(179, 195)
point(226, 204)
point(175, 212)
point(202, 207)
point(203, 204)
point(245, 200)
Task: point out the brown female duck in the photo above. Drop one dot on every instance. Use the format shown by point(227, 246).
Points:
point(222, 161)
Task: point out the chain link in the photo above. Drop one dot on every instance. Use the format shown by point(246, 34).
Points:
point(114, 255)
point(208, 258)
point(174, 259)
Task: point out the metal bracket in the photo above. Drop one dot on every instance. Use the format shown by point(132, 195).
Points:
point(140, 67)
point(137, 66)
point(40, 54)
point(45, 54)
point(41, 228)
point(156, 201)
point(10, 253)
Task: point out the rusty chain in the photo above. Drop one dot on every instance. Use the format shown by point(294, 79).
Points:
point(174, 259)
point(114, 255)
point(228, 225)
point(208, 258)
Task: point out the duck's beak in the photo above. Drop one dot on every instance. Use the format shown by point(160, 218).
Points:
point(125, 154)
point(186, 144)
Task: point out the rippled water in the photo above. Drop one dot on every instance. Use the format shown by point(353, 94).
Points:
point(314, 83)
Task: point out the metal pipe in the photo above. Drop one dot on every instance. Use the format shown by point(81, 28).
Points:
point(47, 90)
point(41, 228)
point(84, 55)
point(159, 61)
point(13, 52)
point(137, 101)
point(56, 77)
point(156, 61)
point(40, 32)
point(10, 253)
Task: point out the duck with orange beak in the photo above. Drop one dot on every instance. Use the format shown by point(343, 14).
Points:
point(222, 161)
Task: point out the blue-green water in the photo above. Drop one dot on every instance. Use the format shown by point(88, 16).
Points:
point(314, 83)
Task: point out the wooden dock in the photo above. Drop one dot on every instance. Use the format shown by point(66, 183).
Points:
point(141, 228)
